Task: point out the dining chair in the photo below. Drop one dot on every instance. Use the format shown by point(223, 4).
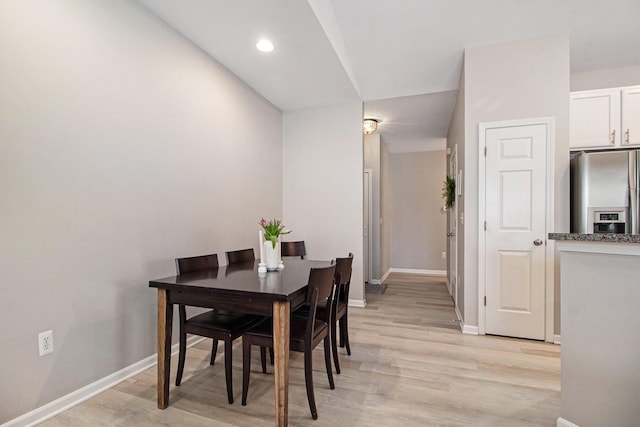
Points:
point(341, 307)
point(305, 334)
point(237, 258)
point(219, 325)
point(241, 255)
point(339, 310)
point(293, 249)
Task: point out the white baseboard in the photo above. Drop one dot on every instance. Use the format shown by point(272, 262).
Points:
point(556, 339)
point(561, 422)
point(459, 316)
point(385, 275)
point(72, 399)
point(442, 273)
point(361, 303)
point(471, 330)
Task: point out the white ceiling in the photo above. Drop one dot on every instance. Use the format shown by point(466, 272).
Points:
point(334, 51)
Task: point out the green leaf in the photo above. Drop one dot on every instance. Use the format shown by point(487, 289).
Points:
point(449, 192)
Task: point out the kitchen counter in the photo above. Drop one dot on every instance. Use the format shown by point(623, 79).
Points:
point(600, 314)
point(612, 238)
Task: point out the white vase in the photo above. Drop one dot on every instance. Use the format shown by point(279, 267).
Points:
point(271, 255)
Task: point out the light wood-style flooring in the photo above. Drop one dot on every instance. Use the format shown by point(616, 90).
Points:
point(410, 366)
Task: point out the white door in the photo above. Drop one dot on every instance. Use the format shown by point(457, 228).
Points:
point(515, 236)
point(452, 234)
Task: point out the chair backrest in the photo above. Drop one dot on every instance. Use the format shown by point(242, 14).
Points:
point(242, 255)
point(343, 278)
point(293, 249)
point(321, 285)
point(196, 263)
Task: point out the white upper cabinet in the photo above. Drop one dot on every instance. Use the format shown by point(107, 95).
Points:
point(594, 117)
point(631, 116)
point(605, 118)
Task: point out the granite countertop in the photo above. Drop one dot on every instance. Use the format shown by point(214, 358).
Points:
point(611, 238)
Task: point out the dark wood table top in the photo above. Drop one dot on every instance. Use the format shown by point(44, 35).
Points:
point(243, 279)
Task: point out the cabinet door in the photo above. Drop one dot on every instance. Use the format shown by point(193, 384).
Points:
point(595, 119)
point(631, 116)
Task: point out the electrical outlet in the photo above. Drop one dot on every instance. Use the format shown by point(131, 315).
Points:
point(444, 255)
point(45, 342)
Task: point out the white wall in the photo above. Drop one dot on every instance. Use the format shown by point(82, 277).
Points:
point(418, 226)
point(372, 161)
point(322, 190)
point(509, 81)
point(600, 79)
point(122, 146)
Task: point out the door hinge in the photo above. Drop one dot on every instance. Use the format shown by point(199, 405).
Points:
point(485, 226)
point(485, 151)
point(485, 300)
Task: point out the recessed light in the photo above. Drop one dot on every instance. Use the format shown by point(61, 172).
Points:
point(264, 46)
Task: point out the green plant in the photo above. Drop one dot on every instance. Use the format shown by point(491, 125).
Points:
point(272, 229)
point(449, 191)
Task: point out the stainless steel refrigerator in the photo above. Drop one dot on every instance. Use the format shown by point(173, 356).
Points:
point(604, 192)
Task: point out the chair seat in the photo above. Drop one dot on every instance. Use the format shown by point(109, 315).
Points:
point(298, 327)
point(303, 310)
point(223, 321)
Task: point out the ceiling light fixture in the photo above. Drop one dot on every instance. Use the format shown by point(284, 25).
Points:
point(264, 45)
point(370, 126)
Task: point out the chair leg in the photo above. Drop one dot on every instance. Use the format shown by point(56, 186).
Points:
point(263, 359)
point(334, 346)
point(271, 354)
point(214, 351)
point(327, 361)
point(183, 346)
point(344, 332)
point(181, 358)
point(246, 369)
point(308, 379)
point(228, 368)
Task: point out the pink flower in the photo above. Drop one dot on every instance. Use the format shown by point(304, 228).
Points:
point(272, 229)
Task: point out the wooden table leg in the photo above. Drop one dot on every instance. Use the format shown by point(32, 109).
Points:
point(165, 319)
point(281, 311)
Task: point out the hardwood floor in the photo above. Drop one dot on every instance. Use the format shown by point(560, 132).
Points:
point(410, 366)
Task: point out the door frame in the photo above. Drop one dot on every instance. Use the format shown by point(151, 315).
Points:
point(452, 261)
point(549, 122)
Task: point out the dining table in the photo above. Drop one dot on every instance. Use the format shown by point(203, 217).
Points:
point(239, 288)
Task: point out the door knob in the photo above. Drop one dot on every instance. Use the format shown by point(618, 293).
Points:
point(538, 242)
